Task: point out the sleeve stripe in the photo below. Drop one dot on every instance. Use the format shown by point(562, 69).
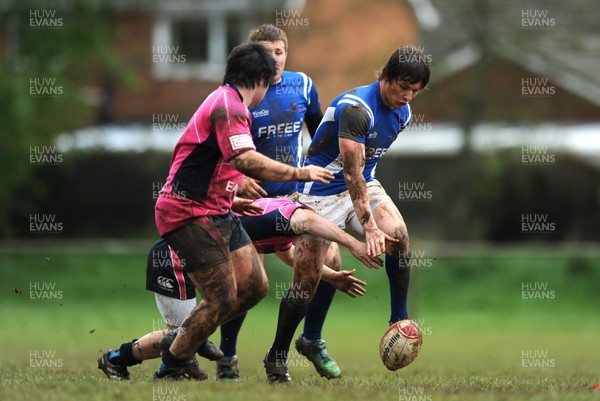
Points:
point(307, 86)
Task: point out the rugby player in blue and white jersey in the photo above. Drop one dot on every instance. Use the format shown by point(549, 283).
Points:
point(277, 121)
point(357, 129)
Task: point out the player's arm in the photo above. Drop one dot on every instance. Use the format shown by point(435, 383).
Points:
point(354, 124)
point(262, 168)
point(343, 280)
point(305, 221)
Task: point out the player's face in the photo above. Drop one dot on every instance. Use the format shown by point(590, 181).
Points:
point(397, 94)
point(277, 50)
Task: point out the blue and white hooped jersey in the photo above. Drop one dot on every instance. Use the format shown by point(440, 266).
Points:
point(277, 124)
point(384, 126)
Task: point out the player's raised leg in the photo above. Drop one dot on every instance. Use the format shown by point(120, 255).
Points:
point(308, 264)
point(397, 258)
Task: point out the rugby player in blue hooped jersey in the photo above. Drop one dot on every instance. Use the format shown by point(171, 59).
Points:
point(291, 101)
point(357, 129)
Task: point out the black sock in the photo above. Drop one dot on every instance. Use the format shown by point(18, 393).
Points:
point(125, 355)
point(290, 316)
point(172, 361)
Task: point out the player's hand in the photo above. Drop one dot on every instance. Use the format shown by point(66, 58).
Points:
point(314, 173)
point(375, 239)
point(245, 206)
point(346, 282)
point(361, 252)
point(249, 188)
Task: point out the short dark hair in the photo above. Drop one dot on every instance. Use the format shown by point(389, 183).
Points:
point(407, 63)
point(248, 64)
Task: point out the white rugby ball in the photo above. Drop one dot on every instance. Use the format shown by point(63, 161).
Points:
point(400, 345)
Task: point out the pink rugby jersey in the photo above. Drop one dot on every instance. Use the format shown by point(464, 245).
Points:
point(201, 180)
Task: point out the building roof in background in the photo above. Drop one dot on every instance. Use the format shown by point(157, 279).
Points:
point(557, 39)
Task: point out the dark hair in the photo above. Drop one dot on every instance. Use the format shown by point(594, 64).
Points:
point(268, 33)
point(408, 64)
point(248, 64)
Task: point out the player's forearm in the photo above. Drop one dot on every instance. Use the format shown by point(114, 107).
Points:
point(357, 188)
point(262, 168)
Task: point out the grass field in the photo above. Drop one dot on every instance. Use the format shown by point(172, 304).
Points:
point(498, 326)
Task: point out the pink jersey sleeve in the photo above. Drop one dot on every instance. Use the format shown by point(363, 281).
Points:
point(231, 121)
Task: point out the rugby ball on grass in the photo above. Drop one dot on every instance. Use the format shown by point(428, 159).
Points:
point(400, 345)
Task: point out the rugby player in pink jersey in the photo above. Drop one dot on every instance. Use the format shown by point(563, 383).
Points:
point(272, 224)
point(193, 210)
